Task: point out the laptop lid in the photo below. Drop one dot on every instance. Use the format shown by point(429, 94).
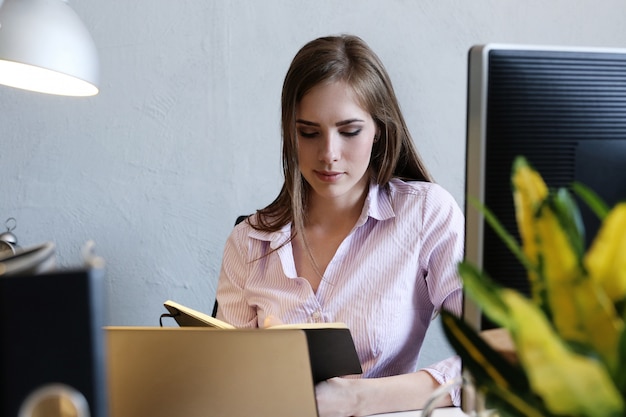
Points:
point(194, 372)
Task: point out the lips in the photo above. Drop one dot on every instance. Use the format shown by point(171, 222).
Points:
point(328, 176)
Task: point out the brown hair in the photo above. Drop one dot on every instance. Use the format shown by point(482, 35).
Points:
point(348, 59)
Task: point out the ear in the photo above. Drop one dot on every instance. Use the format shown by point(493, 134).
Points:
point(377, 135)
point(379, 128)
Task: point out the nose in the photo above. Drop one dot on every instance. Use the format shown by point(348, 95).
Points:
point(329, 148)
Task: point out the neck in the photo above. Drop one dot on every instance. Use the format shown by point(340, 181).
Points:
point(335, 213)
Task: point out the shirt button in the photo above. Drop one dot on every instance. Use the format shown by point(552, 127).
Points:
point(316, 316)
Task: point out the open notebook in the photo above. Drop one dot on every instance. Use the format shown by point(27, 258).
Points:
point(203, 372)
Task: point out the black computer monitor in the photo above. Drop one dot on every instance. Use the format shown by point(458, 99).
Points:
point(564, 109)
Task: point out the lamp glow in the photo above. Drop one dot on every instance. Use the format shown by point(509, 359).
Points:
point(45, 47)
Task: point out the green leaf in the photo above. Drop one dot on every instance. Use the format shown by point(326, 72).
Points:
point(593, 200)
point(485, 292)
point(503, 234)
point(569, 218)
point(505, 384)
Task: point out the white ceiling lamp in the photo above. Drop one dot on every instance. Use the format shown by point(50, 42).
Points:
point(45, 47)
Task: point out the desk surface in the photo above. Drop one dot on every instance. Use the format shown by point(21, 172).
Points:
point(440, 412)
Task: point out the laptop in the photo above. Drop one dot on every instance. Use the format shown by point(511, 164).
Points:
point(204, 372)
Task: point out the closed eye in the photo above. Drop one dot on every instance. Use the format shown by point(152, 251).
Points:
point(307, 134)
point(351, 133)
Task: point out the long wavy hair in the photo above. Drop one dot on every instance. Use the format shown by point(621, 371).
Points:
point(348, 59)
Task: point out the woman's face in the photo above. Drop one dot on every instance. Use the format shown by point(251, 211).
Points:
point(335, 138)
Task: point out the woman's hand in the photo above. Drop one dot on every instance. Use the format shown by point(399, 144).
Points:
point(334, 398)
point(271, 320)
point(346, 397)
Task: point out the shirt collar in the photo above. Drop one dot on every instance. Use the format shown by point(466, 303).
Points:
point(276, 239)
point(378, 203)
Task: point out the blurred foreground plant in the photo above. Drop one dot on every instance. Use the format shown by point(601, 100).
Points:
point(569, 335)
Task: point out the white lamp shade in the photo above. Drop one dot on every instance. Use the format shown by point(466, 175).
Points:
point(45, 47)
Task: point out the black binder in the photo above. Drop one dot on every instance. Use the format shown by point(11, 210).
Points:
point(52, 337)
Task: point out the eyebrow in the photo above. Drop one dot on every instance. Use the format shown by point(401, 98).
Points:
point(341, 123)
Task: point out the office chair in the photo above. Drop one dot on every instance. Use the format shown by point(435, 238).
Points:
point(239, 220)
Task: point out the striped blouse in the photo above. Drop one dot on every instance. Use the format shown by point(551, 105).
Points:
point(388, 278)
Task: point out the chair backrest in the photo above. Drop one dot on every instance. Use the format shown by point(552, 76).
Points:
point(237, 221)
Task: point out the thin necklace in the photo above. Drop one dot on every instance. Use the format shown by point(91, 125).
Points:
point(309, 252)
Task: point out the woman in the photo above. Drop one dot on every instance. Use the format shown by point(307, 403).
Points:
point(358, 233)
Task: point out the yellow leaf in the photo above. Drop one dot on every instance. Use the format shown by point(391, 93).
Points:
point(560, 269)
point(606, 259)
point(568, 383)
point(599, 321)
point(529, 191)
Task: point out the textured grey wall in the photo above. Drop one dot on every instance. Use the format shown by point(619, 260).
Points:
point(184, 135)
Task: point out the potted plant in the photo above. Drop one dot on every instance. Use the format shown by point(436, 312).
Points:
point(568, 336)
